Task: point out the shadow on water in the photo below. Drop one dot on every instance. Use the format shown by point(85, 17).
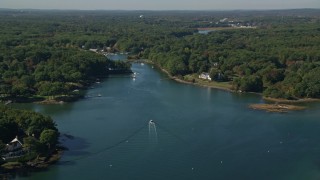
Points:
point(49, 109)
point(75, 147)
point(23, 172)
point(198, 133)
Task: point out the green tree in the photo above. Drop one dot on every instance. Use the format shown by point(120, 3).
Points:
point(49, 137)
point(251, 84)
point(8, 129)
point(2, 147)
point(31, 144)
point(214, 74)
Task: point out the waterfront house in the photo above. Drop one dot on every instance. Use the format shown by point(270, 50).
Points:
point(93, 50)
point(14, 149)
point(15, 144)
point(205, 76)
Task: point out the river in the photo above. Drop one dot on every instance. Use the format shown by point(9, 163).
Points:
point(202, 134)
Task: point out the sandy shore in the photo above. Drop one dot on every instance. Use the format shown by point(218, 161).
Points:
point(305, 100)
point(49, 102)
point(276, 107)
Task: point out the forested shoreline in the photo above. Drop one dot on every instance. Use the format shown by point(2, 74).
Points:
point(39, 62)
point(25, 138)
point(56, 55)
point(275, 62)
point(45, 54)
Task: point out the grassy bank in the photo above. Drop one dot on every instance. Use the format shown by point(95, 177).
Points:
point(280, 105)
point(195, 80)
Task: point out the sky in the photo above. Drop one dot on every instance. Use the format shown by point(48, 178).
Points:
point(159, 4)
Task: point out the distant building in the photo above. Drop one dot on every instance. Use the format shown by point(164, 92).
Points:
point(215, 64)
point(223, 20)
point(205, 76)
point(93, 50)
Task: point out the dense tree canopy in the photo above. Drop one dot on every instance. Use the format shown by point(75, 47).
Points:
point(45, 53)
point(33, 129)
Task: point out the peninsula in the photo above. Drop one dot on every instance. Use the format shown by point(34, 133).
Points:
point(27, 140)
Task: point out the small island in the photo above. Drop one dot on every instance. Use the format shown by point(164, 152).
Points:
point(281, 108)
point(27, 140)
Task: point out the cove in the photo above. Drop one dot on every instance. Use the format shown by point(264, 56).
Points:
point(202, 133)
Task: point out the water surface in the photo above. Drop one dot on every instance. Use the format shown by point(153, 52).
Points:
point(202, 133)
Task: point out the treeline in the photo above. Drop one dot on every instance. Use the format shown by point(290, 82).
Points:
point(38, 133)
point(42, 57)
point(281, 61)
point(45, 53)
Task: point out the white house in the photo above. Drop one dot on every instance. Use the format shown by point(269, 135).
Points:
point(93, 50)
point(205, 76)
point(215, 64)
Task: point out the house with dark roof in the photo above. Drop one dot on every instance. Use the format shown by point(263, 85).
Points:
point(14, 149)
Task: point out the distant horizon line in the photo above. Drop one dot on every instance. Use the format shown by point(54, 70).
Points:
point(256, 9)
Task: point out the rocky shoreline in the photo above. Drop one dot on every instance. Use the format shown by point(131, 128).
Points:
point(288, 101)
point(10, 169)
point(281, 108)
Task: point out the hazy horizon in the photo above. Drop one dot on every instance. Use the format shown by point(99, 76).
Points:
point(160, 5)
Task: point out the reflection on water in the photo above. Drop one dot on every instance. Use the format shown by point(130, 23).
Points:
point(117, 57)
point(53, 109)
point(201, 134)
